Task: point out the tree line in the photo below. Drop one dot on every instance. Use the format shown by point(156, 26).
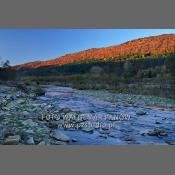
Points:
point(6, 71)
point(131, 68)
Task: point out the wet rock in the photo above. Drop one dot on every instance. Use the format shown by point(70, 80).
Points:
point(39, 138)
point(88, 129)
point(8, 131)
point(170, 142)
point(36, 105)
point(103, 136)
point(164, 118)
point(144, 132)
point(60, 136)
point(135, 106)
point(49, 107)
point(30, 141)
point(33, 110)
point(157, 116)
point(104, 131)
point(141, 113)
point(2, 117)
point(42, 143)
point(65, 110)
point(52, 124)
point(157, 132)
point(38, 91)
point(30, 123)
point(20, 101)
point(114, 135)
point(22, 87)
point(29, 131)
point(58, 143)
point(32, 96)
point(17, 96)
point(126, 105)
point(105, 128)
point(128, 139)
point(74, 140)
point(1, 132)
point(157, 123)
point(12, 140)
point(26, 114)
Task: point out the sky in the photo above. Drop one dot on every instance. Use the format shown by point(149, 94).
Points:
point(26, 45)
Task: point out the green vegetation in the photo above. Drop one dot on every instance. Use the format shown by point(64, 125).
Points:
point(142, 76)
point(170, 63)
point(6, 71)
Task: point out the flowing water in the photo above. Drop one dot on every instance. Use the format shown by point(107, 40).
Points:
point(132, 126)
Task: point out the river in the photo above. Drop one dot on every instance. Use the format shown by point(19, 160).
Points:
point(133, 119)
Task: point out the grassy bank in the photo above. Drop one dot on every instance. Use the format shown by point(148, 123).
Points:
point(151, 86)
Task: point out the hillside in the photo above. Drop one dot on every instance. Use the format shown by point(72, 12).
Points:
point(140, 48)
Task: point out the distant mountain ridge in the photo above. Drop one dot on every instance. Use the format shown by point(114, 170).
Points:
point(153, 45)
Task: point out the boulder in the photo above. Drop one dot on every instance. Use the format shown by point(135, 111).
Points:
point(141, 113)
point(12, 140)
point(26, 114)
point(30, 141)
point(74, 140)
point(30, 123)
point(88, 129)
point(157, 132)
point(60, 136)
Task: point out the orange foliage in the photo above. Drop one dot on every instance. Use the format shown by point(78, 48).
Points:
point(160, 44)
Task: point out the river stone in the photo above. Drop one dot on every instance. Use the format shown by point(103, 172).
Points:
point(58, 142)
point(114, 135)
point(9, 97)
point(20, 101)
point(157, 123)
point(30, 141)
point(60, 136)
point(65, 110)
point(12, 140)
point(34, 109)
point(88, 129)
point(42, 143)
point(103, 136)
point(52, 124)
point(135, 105)
point(30, 123)
point(104, 131)
point(74, 140)
point(170, 142)
point(26, 114)
point(29, 131)
point(157, 132)
point(2, 117)
point(141, 113)
point(126, 105)
point(8, 131)
point(1, 132)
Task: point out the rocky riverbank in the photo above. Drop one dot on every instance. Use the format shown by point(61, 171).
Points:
point(53, 115)
point(20, 117)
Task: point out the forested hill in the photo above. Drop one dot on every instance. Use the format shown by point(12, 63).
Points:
point(153, 46)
